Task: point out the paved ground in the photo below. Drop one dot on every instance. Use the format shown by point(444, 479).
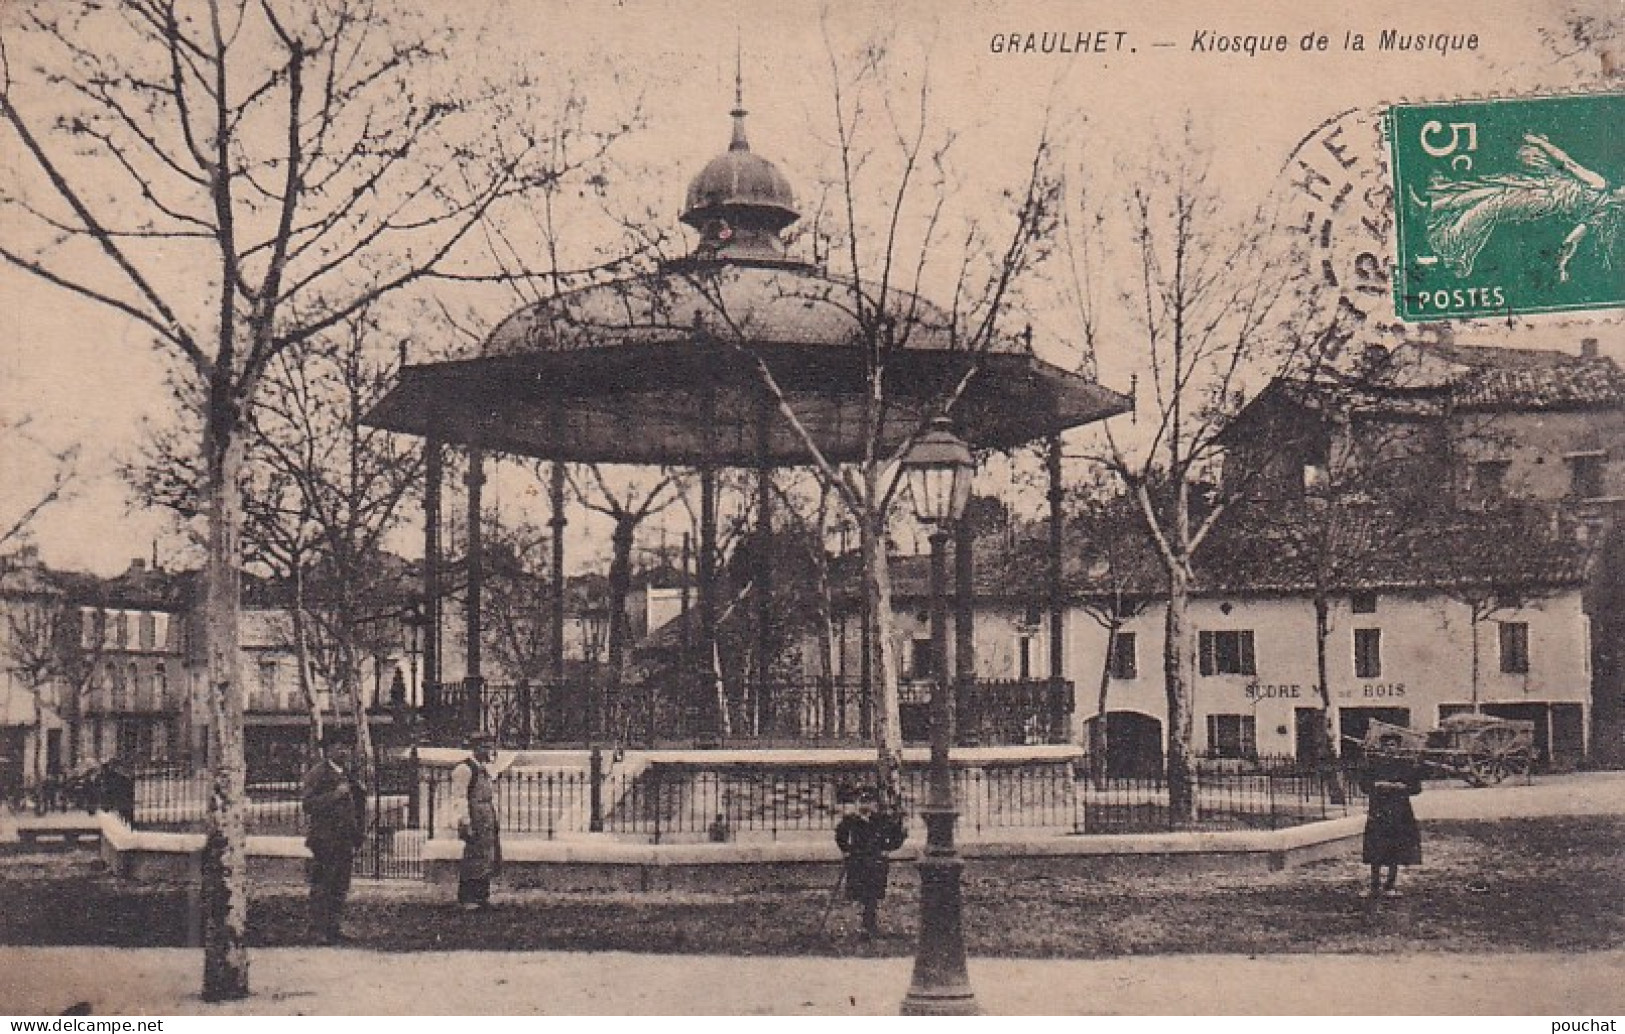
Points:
point(42, 981)
point(1587, 793)
point(334, 981)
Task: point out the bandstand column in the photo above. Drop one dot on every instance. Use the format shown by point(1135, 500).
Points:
point(558, 523)
point(1057, 615)
point(708, 719)
point(967, 721)
point(474, 717)
point(475, 481)
point(764, 570)
point(434, 473)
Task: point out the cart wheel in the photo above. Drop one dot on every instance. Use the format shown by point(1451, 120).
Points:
point(1486, 770)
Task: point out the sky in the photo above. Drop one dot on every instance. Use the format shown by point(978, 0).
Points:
point(84, 377)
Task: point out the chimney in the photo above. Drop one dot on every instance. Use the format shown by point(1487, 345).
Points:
point(137, 565)
point(1588, 348)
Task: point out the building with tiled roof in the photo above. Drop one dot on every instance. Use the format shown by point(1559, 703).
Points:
point(1481, 422)
point(1466, 427)
point(1409, 602)
point(94, 667)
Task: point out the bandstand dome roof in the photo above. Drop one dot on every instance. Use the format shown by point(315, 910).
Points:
point(666, 367)
point(740, 179)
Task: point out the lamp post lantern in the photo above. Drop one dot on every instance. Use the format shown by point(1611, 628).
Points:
point(939, 468)
point(412, 621)
point(595, 625)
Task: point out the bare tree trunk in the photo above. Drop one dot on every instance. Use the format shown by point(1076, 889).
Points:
point(1326, 745)
point(877, 587)
point(1177, 672)
point(350, 677)
point(1099, 740)
point(620, 586)
point(225, 855)
point(301, 651)
point(1474, 626)
point(829, 722)
point(39, 749)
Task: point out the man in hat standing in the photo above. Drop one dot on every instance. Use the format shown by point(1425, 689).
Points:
point(473, 802)
point(864, 837)
point(335, 807)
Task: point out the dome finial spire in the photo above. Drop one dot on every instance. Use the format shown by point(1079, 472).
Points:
point(739, 143)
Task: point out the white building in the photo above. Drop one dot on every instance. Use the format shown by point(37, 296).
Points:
point(1403, 627)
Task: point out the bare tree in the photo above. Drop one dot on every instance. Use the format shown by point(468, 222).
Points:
point(1116, 592)
point(300, 161)
point(886, 226)
point(1205, 302)
point(55, 646)
point(516, 606)
point(629, 503)
point(64, 467)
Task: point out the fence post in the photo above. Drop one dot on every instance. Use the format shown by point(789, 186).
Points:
point(1269, 780)
point(431, 826)
point(654, 788)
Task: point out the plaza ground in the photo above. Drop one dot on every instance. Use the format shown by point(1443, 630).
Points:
point(349, 982)
point(1509, 914)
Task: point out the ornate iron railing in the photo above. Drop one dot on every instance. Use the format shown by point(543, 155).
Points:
point(780, 712)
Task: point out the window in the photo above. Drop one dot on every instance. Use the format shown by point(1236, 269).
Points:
point(149, 631)
point(1314, 479)
point(1124, 663)
point(1232, 736)
point(115, 681)
point(93, 625)
point(1515, 647)
point(1227, 653)
point(1586, 474)
point(1489, 478)
point(1367, 653)
point(921, 659)
point(121, 630)
point(1030, 653)
point(1363, 603)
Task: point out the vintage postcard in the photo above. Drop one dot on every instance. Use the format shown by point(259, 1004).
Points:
point(524, 507)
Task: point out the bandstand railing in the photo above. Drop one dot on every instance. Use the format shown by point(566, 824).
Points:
point(808, 712)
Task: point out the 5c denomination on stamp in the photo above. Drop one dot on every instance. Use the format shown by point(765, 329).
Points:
point(1509, 206)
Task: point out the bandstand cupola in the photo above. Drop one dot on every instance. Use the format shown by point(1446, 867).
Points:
point(740, 202)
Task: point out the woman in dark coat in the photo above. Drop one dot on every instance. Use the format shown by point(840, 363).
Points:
point(864, 837)
point(1392, 838)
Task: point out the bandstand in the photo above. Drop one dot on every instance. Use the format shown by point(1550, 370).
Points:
point(667, 368)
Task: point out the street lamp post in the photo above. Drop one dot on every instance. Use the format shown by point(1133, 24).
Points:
point(412, 624)
point(939, 468)
point(595, 621)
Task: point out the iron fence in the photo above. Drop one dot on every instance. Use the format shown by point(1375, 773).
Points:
point(793, 712)
point(665, 803)
point(1267, 793)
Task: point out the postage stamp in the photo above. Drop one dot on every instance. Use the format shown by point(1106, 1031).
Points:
point(1508, 206)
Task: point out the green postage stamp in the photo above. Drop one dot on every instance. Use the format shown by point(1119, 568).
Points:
point(1509, 206)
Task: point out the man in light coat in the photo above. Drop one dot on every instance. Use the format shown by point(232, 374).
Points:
point(473, 803)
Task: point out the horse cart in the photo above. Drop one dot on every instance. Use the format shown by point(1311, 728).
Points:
point(1479, 748)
